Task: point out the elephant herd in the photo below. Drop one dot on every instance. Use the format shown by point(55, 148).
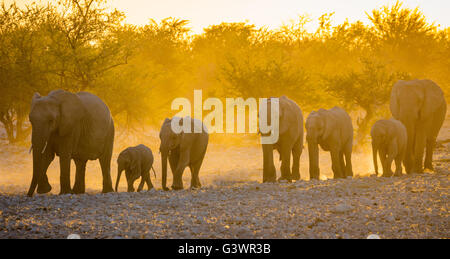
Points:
point(79, 127)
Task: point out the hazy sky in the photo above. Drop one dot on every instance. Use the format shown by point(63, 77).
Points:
point(272, 13)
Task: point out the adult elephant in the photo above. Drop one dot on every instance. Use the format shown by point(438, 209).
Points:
point(72, 126)
point(331, 129)
point(420, 105)
point(290, 141)
point(182, 149)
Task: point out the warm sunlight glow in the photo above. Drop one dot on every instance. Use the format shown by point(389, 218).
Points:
point(271, 13)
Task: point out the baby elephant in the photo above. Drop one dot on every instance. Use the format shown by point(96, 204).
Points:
point(389, 138)
point(137, 162)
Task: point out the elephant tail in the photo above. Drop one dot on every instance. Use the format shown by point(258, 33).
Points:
point(375, 161)
point(154, 173)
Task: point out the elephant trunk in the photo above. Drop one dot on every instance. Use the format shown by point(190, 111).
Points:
point(409, 154)
point(374, 153)
point(164, 155)
point(39, 144)
point(313, 150)
point(36, 171)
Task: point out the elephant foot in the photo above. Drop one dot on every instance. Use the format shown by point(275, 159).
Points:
point(78, 189)
point(269, 180)
point(386, 175)
point(398, 174)
point(314, 178)
point(429, 167)
point(107, 189)
point(176, 188)
point(284, 179)
point(44, 188)
point(62, 192)
point(165, 188)
point(295, 177)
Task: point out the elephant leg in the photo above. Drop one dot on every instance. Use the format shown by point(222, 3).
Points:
point(148, 180)
point(105, 164)
point(141, 184)
point(387, 171)
point(285, 164)
point(47, 159)
point(193, 180)
point(296, 153)
point(398, 166)
point(79, 186)
point(383, 158)
point(431, 142)
point(348, 160)
point(64, 164)
point(174, 157)
point(195, 169)
point(407, 162)
point(419, 150)
point(342, 163)
point(183, 162)
point(336, 164)
point(269, 171)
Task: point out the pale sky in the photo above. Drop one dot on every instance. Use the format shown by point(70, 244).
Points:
point(271, 13)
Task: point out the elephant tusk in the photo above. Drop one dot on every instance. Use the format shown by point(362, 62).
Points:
point(43, 150)
point(31, 148)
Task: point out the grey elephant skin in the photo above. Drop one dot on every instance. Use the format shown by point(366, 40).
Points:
point(290, 141)
point(389, 140)
point(420, 105)
point(182, 150)
point(137, 162)
point(331, 129)
point(71, 126)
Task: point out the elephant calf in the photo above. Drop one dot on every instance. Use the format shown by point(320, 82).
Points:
point(137, 162)
point(331, 129)
point(389, 139)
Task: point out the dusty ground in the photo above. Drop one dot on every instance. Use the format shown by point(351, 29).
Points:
point(233, 203)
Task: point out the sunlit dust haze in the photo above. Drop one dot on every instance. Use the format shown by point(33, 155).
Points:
point(227, 48)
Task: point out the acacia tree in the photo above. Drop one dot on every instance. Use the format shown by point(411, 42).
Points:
point(22, 65)
point(84, 43)
point(368, 89)
point(157, 71)
point(404, 38)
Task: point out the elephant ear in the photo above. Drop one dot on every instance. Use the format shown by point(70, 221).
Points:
point(71, 109)
point(36, 97)
point(328, 123)
point(427, 100)
point(285, 115)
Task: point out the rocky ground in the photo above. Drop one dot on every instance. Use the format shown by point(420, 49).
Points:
point(407, 207)
point(232, 203)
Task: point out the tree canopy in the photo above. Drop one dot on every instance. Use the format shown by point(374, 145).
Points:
point(82, 45)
